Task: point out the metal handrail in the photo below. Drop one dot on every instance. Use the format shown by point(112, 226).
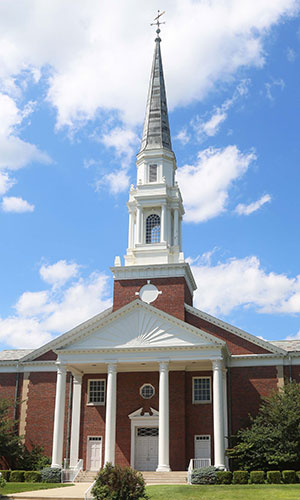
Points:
point(87, 493)
point(197, 463)
point(69, 475)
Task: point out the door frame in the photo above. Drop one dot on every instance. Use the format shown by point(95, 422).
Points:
point(209, 447)
point(88, 451)
point(138, 420)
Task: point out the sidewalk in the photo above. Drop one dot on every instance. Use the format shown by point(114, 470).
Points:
point(75, 492)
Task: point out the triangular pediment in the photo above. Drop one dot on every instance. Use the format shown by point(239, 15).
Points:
point(140, 326)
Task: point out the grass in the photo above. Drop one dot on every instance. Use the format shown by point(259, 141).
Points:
point(225, 492)
point(19, 487)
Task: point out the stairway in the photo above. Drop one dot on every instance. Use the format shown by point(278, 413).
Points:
point(173, 477)
point(86, 476)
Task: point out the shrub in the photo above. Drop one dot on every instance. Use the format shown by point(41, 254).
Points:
point(51, 475)
point(2, 481)
point(206, 475)
point(257, 477)
point(32, 476)
point(274, 477)
point(16, 476)
point(289, 476)
point(224, 477)
point(240, 477)
point(5, 474)
point(298, 475)
point(119, 483)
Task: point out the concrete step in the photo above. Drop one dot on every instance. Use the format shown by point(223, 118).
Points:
point(173, 477)
point(86, 476)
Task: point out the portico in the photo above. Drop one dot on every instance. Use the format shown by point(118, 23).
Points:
point(170, 358)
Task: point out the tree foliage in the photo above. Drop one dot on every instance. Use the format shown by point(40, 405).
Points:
point(119, 483)
point(273, 438)
point(10, 442)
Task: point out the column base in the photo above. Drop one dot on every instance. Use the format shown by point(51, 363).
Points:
point(163, 468)
point(220, 466)
point(56, 466)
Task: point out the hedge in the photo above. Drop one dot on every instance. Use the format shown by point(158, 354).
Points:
point(240, 477)
point(257, 477)
point(5, 474)
point(16, 476)
point(51, 475)
point(289, 476)
point(32, 476)
point(274, 477)
point(224, 477)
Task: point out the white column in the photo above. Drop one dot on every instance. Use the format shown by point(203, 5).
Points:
point(163, 224)
point(75, 425)
point(59, 417)
point(163, 419)
point(176, 219)
point(130, 230)
point(225, 413)
point(110, 419)
point(218, 410)
point(138, 224)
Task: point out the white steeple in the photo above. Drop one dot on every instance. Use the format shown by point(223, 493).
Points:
point(155, 204)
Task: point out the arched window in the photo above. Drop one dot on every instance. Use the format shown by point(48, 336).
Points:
point(153, 229)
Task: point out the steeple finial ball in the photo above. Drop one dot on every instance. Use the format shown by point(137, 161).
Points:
point(158, 23)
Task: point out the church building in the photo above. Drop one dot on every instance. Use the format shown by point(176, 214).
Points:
point(151, 382)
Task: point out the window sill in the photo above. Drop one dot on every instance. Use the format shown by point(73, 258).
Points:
point(95, 404)
point(202, 402)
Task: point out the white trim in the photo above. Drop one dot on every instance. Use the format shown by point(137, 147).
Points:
point(144, 385)
point(91, 403)
point(138, 420)
point(88, 458)
point(233, 329)
point(193, 392)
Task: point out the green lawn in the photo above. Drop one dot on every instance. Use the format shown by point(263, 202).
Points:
point(19, 487)
point(226, 492)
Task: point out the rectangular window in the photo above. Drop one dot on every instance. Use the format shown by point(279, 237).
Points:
point(96, 392)
point(201, 390)
point(152, 173)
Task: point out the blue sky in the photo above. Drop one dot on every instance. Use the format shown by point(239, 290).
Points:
point(73, 87)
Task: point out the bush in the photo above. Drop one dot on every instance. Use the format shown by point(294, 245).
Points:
point(274, 477)
point(119, 483)
point(51, 475)
point(240, 477)
point(224, 477)
point(16, 476)
point(33, 459)
point(289, 476)
point(298, 475)
point(2, 481)
point(206, 475)
point(32, 476)
point(5, 474)
point(257, 477)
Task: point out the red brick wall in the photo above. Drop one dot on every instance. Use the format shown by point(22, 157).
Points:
point(177, 420)
point(174, 293)
point(236, 344)
point(199, 417)
point(47, 356)
point(248, 385)
point(40, 410)
point(8, 386)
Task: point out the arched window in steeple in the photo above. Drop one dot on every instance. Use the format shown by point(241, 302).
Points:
point(153, 229)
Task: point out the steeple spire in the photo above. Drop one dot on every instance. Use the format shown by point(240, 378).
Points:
point(156, 133)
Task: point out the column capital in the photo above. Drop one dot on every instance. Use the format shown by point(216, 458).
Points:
point(112, 367)
point(217, 364)
point(77, 378)
point(164, 366)
point(61, 368)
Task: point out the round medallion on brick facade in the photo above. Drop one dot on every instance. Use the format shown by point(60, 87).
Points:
point(148, 293)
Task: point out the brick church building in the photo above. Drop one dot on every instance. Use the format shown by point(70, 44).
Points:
point(151, 382)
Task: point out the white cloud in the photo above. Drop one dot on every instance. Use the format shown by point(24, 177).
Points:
point(205, 186)
point(6, 182)
point(183, 136)
point(59, 273)
point(92, 61)
point(16, 205)
point(117, 181)
point(294, 337)
point(123, 140)
point(291, 55)
point(244, 283)
point(44, 314)
point(269, 86)
point(242, 209)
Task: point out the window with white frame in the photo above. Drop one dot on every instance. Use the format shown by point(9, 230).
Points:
point(153, 229)
point(96, 392)
point(201, 390)
point(152, 173)
point(147, 391)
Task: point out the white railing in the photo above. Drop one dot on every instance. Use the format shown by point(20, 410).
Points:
point(69, 475)
point(87, 494)
point(197, 463)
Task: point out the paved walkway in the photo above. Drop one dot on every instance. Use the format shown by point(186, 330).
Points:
point(75, 492)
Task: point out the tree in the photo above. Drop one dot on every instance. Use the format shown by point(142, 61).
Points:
point(10, 442)
point(273, 438)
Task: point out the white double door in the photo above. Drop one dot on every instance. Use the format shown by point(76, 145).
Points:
point(146, 448)
point(94, 453)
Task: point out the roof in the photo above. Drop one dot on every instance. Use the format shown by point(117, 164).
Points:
point(156, 133)
point(287, 345)
point(14, 354)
